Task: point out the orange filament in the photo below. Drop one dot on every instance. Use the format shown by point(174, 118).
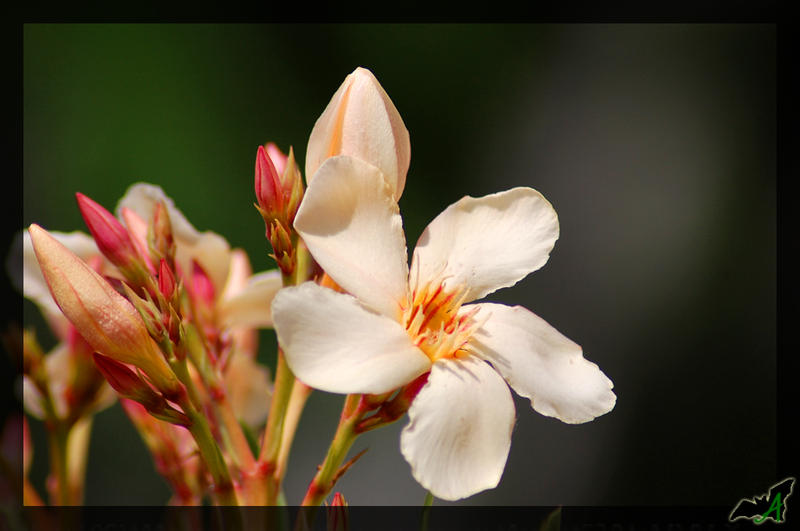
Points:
point(432, 319)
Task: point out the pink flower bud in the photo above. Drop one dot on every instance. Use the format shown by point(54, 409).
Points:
point(338, 500)
point(108, 322)
point(129, 385)
point(269, 192)
point(362, 122)
point(337, 516)
point(166, 280)
point(110, 235)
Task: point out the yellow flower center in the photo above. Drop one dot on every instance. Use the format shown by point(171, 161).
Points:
point(432, 319)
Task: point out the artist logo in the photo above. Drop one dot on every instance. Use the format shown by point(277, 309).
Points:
point(769, 506)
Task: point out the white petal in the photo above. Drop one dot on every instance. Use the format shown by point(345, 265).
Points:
point(251, 305)
point(487, 243)
point(352, 227)
point(361, 121)
point(57, 368)
point(335, 344)
point(541, 364)
point(459, 436)
point(239, 273)
point(142, 199)
point(210, 250)
point(249, 388)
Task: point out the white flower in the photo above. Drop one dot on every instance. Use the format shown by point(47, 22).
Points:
point(396, 324)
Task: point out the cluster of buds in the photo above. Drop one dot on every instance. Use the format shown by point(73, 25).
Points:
point(279, 190)
point(103, 317)
point(166, 316)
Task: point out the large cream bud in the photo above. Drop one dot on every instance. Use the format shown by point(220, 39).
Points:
point(362, 122)
point(105, 319)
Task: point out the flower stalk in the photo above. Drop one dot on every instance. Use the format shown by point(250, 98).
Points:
point(353, 411)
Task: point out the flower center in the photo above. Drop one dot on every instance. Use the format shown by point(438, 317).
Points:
point(432, 320)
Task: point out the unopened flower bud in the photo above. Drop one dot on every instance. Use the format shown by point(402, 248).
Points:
point(269, 192)
point(338, 500)
point(362, 122)
point(166, 280)
point(337, 514)
point(129, 385)
point(107, 321)
point(111, 236)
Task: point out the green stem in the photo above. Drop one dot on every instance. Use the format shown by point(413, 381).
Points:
point(428, 499)
point(212, 457)
point(232, 434)
point(297, 401)
point(57, 439)
point(344, 438)
point(201, 432)
point(426, 511)
point(273, 433)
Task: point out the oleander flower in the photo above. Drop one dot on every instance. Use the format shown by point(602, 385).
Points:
point(397, 323)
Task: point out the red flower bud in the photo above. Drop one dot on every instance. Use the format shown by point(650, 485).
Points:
point(337, 517)
point(166, 280)
point(268, 184)
point(111, 236)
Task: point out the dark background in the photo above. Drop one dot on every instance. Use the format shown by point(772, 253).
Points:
point(655, 143)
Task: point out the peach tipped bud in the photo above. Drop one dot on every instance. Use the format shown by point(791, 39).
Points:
point(362, 122)
point(105, 319)
point(111, 236)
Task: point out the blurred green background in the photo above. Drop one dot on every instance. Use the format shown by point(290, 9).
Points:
point(654, 143)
